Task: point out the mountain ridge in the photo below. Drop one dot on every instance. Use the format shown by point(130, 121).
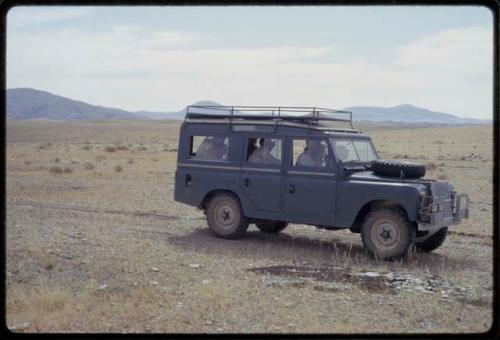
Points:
point(28, 103)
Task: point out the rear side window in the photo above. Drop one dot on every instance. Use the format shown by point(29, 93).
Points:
point(264, 150)
point(209, 148)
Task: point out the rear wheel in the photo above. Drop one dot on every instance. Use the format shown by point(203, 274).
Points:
point(387, 233)
point(271, 227)
point(433, 242)
point(225, 217)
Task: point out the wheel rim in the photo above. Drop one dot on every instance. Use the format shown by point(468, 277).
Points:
point(224, 216)
point(385, 234)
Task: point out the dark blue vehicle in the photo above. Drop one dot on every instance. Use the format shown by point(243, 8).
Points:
point(277, 165)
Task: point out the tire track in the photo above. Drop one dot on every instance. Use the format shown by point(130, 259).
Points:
point(98, 211)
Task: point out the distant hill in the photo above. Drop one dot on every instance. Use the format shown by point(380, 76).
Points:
point(180, 114)
point(407, 113)
point(26, 103)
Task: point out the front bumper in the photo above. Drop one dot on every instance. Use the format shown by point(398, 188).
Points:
point(442, 211)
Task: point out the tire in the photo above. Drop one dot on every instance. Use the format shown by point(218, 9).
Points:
point(396, 168)
point(271, 227)
point(225, 217)
point(387, 234)
point(433, 242)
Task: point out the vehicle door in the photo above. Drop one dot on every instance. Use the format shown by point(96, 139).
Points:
point(261, 172)
point(310, 181)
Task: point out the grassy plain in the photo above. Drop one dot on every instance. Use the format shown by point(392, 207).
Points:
point(95, 243)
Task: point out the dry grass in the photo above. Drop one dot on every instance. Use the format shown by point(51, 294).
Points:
point(88, 165)
point(109, 149)
point(68, 235)
point(56, 170)
point(45, 146)
point(431, 166)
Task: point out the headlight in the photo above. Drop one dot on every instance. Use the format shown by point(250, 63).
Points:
point(463, 202)
point(422, 195)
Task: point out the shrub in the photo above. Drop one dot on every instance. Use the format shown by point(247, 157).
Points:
point(87, 165)
point(122, 147)
point(44, 146)
point(48, 264)
point(118, 168)
point(141, 148)
point(57, 170)
point(27, 162)
point(86, 147)
point(56, 160)
point(430, 166)
point(100, 158)
point(130, 161)
point(68, 170)
point(442, 176)
point(109, 149)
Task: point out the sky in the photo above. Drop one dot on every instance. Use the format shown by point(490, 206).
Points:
point(164, 58)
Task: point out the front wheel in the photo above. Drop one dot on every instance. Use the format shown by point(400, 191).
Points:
point(225, 217)
point(433, 242)
point(387, 233)
point(271, 227)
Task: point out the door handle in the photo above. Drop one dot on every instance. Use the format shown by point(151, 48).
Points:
point(246, 182)
point(188, 180)
point(291, 189)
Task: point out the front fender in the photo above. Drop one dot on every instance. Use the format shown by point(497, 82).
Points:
point(354, 195)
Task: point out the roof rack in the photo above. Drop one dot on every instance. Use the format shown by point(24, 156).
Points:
point(276, 114)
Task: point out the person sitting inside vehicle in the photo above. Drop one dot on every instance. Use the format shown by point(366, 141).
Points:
point(342, 152)
point(313, 155)
point(251, 146)
point(212, 148)
point(263, 153)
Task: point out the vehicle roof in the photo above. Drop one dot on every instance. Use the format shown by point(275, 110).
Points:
point(270, 128)
point(272, 119)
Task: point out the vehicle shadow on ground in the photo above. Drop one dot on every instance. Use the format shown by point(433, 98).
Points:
point(290, 247)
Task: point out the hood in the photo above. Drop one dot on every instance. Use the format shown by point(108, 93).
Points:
point(371, 176)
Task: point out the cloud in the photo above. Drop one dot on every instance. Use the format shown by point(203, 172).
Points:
point(135, 68)
point(23, 16)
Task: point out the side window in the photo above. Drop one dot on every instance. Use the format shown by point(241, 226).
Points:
point(312, 153)
point(264, 151)
point(209, 148)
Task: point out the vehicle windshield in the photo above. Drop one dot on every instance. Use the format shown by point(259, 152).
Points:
point(353, 150)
